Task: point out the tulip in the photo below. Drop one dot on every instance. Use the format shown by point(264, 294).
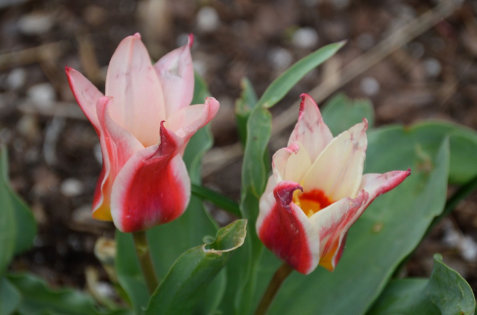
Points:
point(317, 191)
point(144, 122)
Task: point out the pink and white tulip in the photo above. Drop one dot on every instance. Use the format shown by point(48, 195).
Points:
point(144, 122)
point(318, 191)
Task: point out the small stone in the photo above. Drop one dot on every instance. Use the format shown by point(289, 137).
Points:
point(71, 187)
point(365, 41)
point(369, 86)
point(36, 23)
point(417, 50)
point(16, 78)
point(42, 94)
point(28, 126)
point(280, 58)
point(468, 249)
point(208, 19)
point(433, 67)
point(305, 37)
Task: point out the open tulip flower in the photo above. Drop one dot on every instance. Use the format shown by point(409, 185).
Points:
point(144, 123)
point(317, 191)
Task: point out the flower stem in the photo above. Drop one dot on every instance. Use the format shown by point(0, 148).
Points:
point(280, 275)
point(145, 260)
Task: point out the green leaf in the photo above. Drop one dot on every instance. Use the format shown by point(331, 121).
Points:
point(284, 83)
point(217, 199)
point(341, 112)
point(38, 298)
point(190, 275)
point(243, 107)
point(384, 235)
point(9, 297)
point(446, 292)
point(17, 227)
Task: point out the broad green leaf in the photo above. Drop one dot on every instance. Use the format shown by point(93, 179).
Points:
point(243, 107)
point(341, 112)
point(192, 272)
point(9, 297)
point(38, 298)
point(288, 79)
point(167, 242)
point(446, 293)
point(25, 222)
point(17, 224)
point(386, 233)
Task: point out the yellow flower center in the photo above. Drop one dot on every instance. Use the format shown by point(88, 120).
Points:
point(311, 201)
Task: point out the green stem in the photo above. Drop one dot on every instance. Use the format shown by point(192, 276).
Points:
point(145, 260)
point(217, 199)
point(280, 275)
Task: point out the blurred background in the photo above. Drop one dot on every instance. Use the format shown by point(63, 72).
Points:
point(414, 60)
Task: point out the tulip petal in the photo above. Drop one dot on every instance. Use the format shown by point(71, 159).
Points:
point(378, 184)
point(339, 168)
point(286, 231)
point(333, 223)
point(86, 94)
point(138, 96)
point(310, 130)
point(186, 121)
point(117, 145)
point(176, 76)
point(291, 163)
point(152, 188)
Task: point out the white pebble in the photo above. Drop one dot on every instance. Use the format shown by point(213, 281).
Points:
point(433, 67)
point(305, 37)
point(468, 249)
point(16, 78)
point(208, 19)
point(71, 187)
point(280, 58)
point(42, 95)
point(369, 86)
point(36, 23)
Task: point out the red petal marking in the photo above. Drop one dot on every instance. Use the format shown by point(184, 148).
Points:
point(283, 233)
point(155, 195)
point(312, 201)
point(153, 187)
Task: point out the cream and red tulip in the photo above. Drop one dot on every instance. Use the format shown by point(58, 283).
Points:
point(144, 122)
point(317, 192)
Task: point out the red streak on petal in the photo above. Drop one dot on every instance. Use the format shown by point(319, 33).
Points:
point(283, 233)
point(155, 196)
